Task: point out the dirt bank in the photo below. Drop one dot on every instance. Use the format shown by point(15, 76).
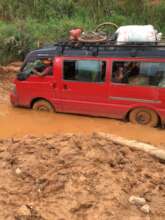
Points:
point(76, 177)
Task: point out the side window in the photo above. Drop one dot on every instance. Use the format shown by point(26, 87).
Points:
point(44, 66)
point(84, 70)
point(139, 73)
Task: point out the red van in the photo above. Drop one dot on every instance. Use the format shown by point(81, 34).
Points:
point(123, 82)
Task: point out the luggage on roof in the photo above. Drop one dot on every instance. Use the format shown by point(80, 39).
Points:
point(137, 33)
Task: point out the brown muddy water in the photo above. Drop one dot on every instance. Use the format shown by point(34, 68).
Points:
point(17, 122)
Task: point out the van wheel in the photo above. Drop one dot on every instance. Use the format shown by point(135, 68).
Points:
point(43, 105)
point(144, 117)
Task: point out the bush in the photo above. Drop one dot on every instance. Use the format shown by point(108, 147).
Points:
point(15, 42)
point(19, 38)
point(38, 9)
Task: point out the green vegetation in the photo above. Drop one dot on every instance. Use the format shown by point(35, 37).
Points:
point(26, 24)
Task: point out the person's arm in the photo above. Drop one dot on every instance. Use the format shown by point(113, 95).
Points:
point(44, 72)
point(47, 71)
point(36, 72)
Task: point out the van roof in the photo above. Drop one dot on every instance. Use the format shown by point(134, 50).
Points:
point(107, 49)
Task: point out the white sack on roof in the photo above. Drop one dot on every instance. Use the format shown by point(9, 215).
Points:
point(137, 33)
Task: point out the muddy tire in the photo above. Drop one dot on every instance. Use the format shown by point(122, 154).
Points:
point(144, 116)
point(43, 105)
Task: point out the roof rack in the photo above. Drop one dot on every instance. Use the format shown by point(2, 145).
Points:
point(102, 49)
point(109, 44)
point(111, 49)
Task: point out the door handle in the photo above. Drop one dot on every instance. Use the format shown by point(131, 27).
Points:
point(65, 86)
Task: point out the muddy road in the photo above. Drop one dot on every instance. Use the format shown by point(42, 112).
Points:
point(17, 122)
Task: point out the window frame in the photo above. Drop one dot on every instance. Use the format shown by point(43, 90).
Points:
point(76, 81)
point(135, 60)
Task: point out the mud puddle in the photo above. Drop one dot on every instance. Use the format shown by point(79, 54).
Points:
point(17, 122)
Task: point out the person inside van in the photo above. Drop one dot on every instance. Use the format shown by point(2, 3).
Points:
point(133, 69)
point(43, 67)
point(118, 75)
point(133, 72)
point(38, 67)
